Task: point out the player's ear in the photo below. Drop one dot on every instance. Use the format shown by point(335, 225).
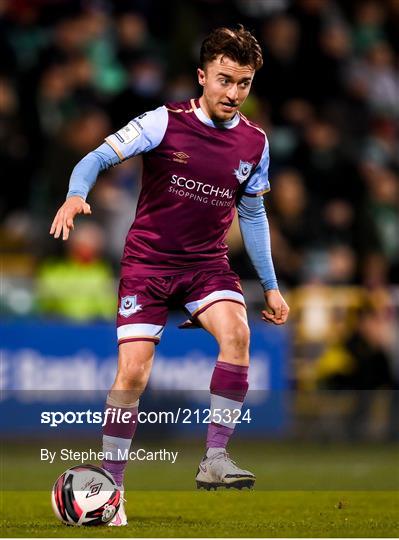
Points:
point(201, 76)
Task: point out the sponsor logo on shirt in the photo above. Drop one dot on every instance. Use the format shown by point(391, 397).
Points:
point(243, 171)
point(201, 187)
point(129, 306)
point(201, 192)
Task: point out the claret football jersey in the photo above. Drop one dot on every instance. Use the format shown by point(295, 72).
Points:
point(193, 170)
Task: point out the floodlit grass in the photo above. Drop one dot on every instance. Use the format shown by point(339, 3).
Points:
point(302, 490)
point(222, 513)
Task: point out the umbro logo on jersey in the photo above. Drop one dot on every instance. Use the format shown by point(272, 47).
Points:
point(180, 157)
point(243, 171)
point(129, 306)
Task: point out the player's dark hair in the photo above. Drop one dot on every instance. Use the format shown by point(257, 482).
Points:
point(238, 44)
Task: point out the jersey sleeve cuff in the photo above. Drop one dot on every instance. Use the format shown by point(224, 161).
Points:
point(269, 285)
point(76, 194)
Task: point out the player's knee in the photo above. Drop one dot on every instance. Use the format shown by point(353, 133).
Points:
point(236, 339)
point(133, 373)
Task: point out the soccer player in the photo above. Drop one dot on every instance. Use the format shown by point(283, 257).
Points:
point(202, 159)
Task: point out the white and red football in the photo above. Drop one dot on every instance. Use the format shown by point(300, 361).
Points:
point(85, 495)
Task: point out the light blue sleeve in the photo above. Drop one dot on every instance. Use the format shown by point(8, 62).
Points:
point(140, 135)
point(85, 173)
point(256, 236)
point(258, 184)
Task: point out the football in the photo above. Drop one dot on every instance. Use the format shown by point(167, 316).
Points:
point(85, 495)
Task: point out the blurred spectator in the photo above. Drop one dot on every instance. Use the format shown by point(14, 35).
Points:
point(78, 136)
point(292, 225)
point(143, 92)
point(21, 37)
point(313, 16)
point(347, 234)
point(381, 146)
point(280, 79)
point(392, 23)
point(331, 65)
point(361, 365)
point(335, 265)
point(14, 151)
point(134, 39)
point(55, 103)
point(376, 79)
point(328, 171)
point(68, 38)
point(261, 8)
point(181, 88)
point(285, 139)
point(81, 286)
point(341, 265)
point(383, 187)
point(101, 50)
point(368, 25)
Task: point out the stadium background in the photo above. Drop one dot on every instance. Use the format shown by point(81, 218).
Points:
point(328, 97)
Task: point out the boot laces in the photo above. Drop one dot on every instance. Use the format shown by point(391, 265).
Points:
point(225, 456)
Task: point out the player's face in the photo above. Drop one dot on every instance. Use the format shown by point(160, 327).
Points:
point(226, 86)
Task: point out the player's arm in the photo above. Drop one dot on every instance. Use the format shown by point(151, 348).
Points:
point(83, 178)
point(256, 236)
point(140, 135)
point(255, 232)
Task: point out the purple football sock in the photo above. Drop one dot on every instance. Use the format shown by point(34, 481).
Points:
point(118, 431)
point(229, 386)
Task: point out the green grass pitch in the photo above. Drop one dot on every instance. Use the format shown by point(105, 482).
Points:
point(301, 491)
point(221, 514)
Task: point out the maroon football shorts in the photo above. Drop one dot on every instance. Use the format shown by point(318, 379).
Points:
point(144, 302)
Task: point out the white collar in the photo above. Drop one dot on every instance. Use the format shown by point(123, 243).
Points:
point(228, 124)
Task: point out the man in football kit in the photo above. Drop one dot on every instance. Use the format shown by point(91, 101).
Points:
point(202, 159)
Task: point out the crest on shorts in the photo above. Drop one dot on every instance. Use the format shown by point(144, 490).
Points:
point(243, 171)
point(129, 306)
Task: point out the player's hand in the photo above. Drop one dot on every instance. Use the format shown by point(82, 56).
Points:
point(63, 220)
point(277, 308)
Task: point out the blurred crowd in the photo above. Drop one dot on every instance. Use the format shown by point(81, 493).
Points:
point(73, 71)
point(327, 96)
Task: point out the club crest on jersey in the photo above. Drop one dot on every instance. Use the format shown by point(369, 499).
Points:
point(243, 171)
point(129, 306)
